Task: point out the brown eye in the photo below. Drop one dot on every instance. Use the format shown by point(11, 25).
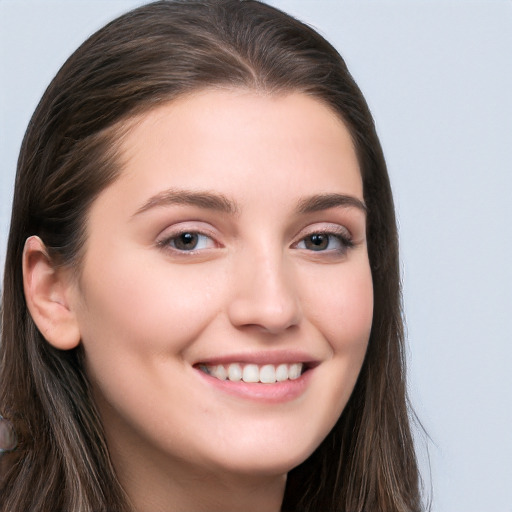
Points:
point(317, 242)
point(326, 242)
point(188, 241)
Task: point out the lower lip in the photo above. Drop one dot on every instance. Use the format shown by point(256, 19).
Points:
point(276, 393)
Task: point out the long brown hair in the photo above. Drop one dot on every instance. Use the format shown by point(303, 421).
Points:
point(69, 155)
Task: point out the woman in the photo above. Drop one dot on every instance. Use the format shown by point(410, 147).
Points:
point(201, 300)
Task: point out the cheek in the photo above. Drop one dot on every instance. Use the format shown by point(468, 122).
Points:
point(344, 309)
point(151, 310)
point(341, 309)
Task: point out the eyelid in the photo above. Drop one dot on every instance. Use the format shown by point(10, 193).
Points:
point(342, 233)
point(328, 228)
point(172, 241)
point(173, 232)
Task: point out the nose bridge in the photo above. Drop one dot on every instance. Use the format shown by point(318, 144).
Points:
point(265, 294)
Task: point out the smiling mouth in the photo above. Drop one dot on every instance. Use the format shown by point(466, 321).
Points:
point(253, 373)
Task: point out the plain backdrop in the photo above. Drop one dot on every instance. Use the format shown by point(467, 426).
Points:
point(438, 78)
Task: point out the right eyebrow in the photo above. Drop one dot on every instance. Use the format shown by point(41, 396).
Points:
point(321, 202)
point(202, 199)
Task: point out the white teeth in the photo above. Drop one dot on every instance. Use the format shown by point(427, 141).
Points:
point(220, 372)
point(282, 372)
point(266, 374)
point(234, 372)
point(295, 371)
point(251, 373)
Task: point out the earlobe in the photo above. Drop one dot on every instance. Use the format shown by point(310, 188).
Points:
point(47, 292)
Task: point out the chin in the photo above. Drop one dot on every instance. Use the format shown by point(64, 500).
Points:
point(269, 460)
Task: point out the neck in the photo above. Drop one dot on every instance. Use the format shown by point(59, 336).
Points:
point(155, 484)
point(206, 493)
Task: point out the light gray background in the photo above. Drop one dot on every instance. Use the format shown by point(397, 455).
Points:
point(438, 78)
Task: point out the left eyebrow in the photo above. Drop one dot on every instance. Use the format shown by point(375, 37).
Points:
point(321, 202)
point(202, 199)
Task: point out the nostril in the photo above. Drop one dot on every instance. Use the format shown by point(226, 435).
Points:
point(272, 321)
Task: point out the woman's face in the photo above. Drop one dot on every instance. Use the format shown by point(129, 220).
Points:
point(225, 300)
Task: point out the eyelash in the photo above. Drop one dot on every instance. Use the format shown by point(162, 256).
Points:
point(345, 242)
point(170, 241)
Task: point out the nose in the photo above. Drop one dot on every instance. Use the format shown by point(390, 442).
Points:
point(265, 295)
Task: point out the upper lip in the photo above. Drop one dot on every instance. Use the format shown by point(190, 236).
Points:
point(261, 358)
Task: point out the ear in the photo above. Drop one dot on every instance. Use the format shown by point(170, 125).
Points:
point(47, 292)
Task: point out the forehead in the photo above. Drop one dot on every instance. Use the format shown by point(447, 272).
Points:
point(241, 127)
point(244, 144)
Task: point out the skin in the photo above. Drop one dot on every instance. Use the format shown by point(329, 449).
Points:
point(147, 312)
